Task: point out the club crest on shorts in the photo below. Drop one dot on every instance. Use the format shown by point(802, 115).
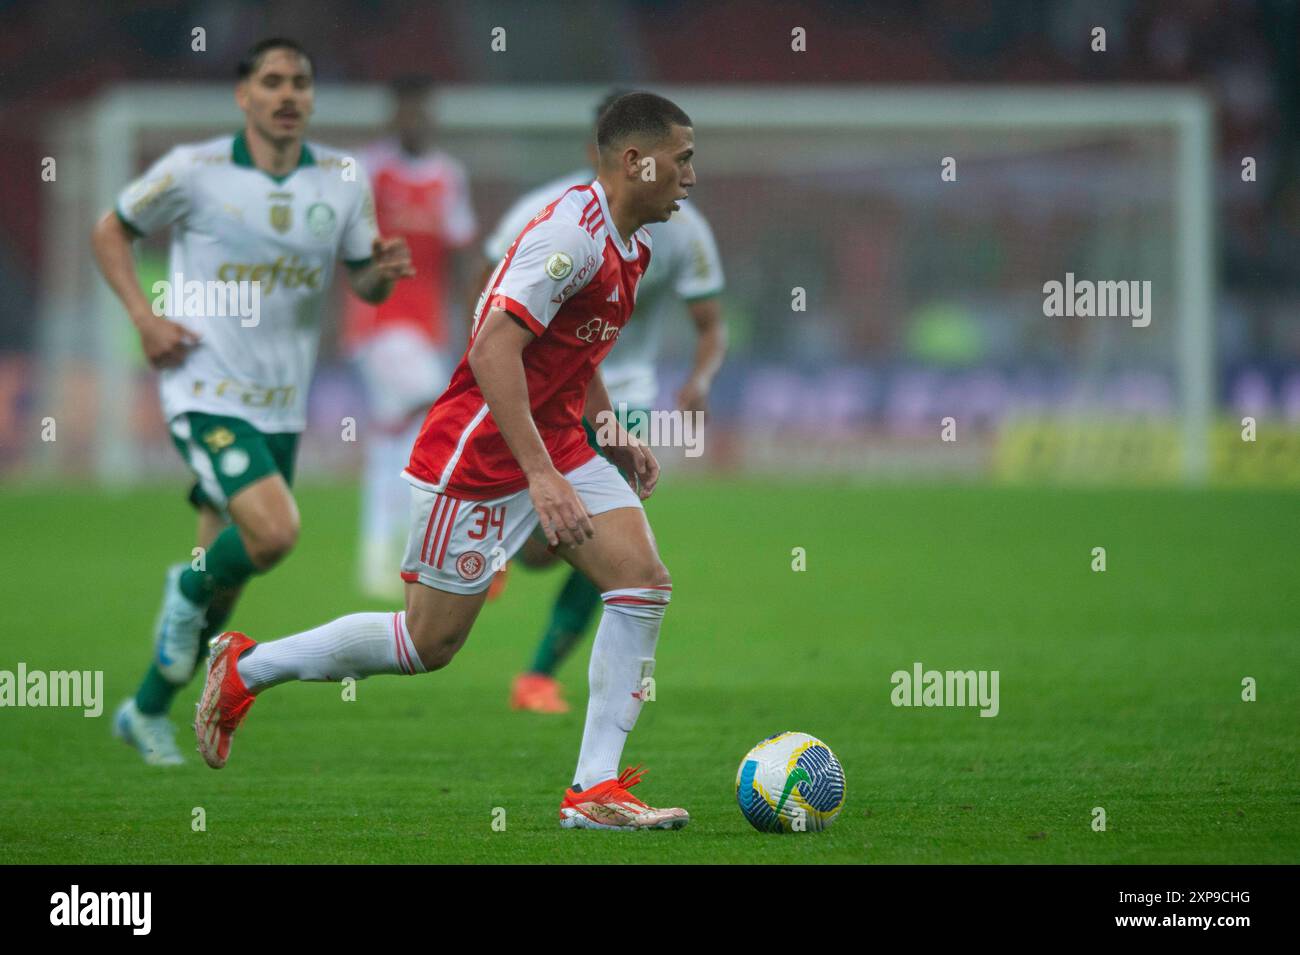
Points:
point(218, 438)
point(471, 564)
point(233, 462)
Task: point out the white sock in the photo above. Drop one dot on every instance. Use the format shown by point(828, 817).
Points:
point(358, 645)
point(622, 656)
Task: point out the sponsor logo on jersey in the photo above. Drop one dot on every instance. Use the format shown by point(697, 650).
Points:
point(254, 396)
point(150, 192)
point(559, 265)
point(700, 260)
point(470, 565)
point(576, 280)
point(181, 298)
point(290, 273)
point(320, 219)
point(596, 330)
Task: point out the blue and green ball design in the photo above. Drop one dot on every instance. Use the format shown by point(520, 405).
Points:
point(788, 777)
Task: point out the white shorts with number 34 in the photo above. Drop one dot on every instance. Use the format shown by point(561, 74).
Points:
point(457, 545)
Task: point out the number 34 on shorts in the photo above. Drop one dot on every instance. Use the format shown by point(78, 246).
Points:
point(456, 545)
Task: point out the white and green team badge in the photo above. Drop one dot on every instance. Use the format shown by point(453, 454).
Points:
point(320, 219)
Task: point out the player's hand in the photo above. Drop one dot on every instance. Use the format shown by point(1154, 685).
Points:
point(637, 462)
point(564, 518)
point(391, 259)
point(166, 343)
point(694, 396)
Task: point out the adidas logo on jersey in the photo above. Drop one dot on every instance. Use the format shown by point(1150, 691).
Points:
point(613, 296)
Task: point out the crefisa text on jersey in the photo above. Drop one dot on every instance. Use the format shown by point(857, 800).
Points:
point(179, 298)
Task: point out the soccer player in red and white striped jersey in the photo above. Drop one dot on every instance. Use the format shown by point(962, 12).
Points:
point(503, 449)
point(421, 194)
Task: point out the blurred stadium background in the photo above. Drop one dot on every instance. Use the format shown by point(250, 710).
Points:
point(818, 170)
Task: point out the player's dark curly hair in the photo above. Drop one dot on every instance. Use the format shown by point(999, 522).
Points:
point(638, 113)
point(251, 60)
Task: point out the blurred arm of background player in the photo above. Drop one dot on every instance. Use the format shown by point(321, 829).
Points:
point(390, 260)
point(710, 350)
point(165, 343)
point(496, 359)
point(629, 455)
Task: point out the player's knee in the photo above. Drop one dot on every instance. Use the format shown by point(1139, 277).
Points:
point(272, 543)
point(434, 643)
point(438, 653)
point(649, 572)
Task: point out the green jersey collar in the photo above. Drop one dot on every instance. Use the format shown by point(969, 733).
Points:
point(240, 156)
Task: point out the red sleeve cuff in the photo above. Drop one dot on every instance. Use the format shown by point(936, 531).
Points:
point(508, 304)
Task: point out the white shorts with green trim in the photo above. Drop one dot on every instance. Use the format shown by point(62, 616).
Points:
point(457, 545)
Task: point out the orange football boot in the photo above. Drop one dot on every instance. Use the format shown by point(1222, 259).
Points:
point(537, 693)
point(225, 700)
point(609, 805)
point(498, 585)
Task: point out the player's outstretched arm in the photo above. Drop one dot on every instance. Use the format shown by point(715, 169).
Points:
point(390, 260)
point(496, 359)
point(629, 455)
point(165, 342)
point(710, 350)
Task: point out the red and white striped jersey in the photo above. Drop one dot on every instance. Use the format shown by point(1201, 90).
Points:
point(569, 278)
point(425, 200)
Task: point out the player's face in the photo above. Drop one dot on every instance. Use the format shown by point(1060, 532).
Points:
point(278, 97)
point(412, 122)
point(674, 174)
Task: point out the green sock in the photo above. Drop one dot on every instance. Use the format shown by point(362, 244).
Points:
point(228, 565)
point(154, 698)
point(570, 616)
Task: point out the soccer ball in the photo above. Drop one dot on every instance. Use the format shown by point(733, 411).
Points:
point(790, 782)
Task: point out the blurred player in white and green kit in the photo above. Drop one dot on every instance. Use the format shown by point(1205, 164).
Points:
point(258, 219)
point(685, 273)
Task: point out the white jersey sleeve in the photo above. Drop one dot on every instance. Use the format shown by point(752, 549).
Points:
point(360, 229)
point(552, 263)
point(160, 197)
point(697, 273)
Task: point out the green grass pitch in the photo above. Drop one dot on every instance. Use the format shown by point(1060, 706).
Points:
point(1119, 689)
